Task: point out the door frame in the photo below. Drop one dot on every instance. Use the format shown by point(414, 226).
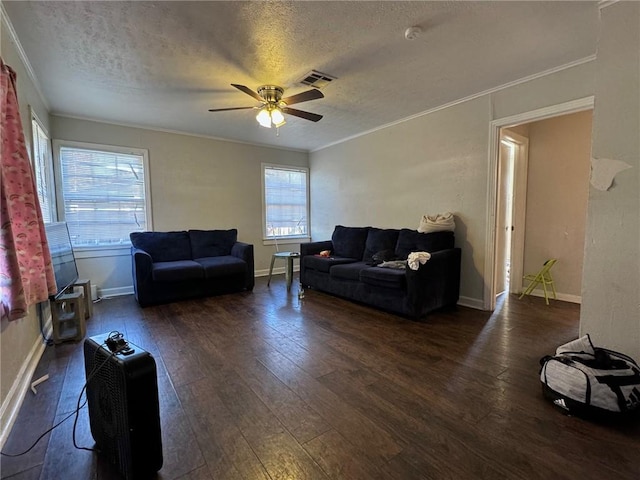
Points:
point(574, 106)
point(519, 196)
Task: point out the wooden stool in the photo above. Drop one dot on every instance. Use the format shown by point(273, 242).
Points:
point(67, 317)
point(88, 301)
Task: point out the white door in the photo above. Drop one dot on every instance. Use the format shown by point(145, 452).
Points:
point(510, 213)
point(504, 216)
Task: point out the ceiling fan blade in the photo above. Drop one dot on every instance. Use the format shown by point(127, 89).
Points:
point(314, 117)
point(303, 97)
point(248, 91)
point(227, 109)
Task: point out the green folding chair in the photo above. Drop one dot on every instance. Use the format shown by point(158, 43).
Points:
point(542, 277)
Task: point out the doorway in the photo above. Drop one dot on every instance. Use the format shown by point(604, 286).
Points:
point(510, 211)
point(504, 255)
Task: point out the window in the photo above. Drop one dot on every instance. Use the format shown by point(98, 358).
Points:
point(104, 193)
point(286, 202)
point(43, 169)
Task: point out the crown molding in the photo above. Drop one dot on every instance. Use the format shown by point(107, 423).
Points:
point(176, 132)
point(23, 56)
point(504, 86)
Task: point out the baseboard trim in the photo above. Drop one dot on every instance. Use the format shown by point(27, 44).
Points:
point(565, 297)
point(116, 292)
point(128, 290)
point(13, 402)
point(462, 301)
point(276, 271)
point(471, 303)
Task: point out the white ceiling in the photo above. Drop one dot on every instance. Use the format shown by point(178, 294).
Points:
point(164, 64)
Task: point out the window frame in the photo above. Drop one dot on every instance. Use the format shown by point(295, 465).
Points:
point(101, 250)
point(48, 174)
point(284, 239)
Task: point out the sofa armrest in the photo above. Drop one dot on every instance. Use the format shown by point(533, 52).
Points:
point(436, 283)
point(245, 252)
point(142, 265)
point(313, 248)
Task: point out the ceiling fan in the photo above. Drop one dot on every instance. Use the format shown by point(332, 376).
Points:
point(272, 105)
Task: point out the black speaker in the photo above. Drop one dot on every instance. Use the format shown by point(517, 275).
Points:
point(124, 413)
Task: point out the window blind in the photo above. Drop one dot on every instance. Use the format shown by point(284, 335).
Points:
point(285, 192)
point(104, 196)
point(42, 161)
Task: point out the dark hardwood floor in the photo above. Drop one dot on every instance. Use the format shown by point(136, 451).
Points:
point(264, 385)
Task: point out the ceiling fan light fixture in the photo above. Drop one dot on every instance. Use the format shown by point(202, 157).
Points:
point(270, 115)
point(264, 118)
point(273, 106)
point(277, 117)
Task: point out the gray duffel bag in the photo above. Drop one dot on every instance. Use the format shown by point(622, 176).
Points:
point(591, 382)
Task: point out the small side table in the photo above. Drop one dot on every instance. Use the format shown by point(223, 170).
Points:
point(288, 271)
point(86, 292)
point(67, 317)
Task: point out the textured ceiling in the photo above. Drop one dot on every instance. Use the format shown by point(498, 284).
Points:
point(164, 64)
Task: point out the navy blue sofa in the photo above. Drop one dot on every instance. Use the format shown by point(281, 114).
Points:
point(350, 271)
point(170, 266)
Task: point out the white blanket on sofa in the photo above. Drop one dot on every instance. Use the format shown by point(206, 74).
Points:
point(416, 258)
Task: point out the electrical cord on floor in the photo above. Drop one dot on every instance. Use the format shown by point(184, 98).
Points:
point(39, 438)
point(78, 405)
point(77, 414)
point(47, 341)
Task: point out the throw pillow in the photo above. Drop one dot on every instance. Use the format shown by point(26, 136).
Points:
point(212, 243)
point(163, 246)
point(414, 241)
point(379, 239)
point(348, 242)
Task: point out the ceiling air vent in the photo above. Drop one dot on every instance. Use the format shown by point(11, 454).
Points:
point(317, 79)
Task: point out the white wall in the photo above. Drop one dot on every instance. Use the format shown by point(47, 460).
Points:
point(557, 196)
point(611, 279)
point(196, 183)
point(433, 163)
point(20, 345)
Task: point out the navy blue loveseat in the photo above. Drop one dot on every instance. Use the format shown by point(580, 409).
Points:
point(169, 266)
point(350, 271)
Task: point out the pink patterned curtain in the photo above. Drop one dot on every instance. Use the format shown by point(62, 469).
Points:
point(26, 274)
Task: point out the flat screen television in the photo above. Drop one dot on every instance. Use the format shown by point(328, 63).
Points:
point(64, 263)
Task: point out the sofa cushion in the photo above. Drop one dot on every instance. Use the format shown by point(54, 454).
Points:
point(176, 271)
point(212, 243)
point(349, 242)
point(324, 264)
point(414, 241)
point(222, 266)
point(384, 277)
point(163, 246)
point(348, 271)
point(379, 240)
